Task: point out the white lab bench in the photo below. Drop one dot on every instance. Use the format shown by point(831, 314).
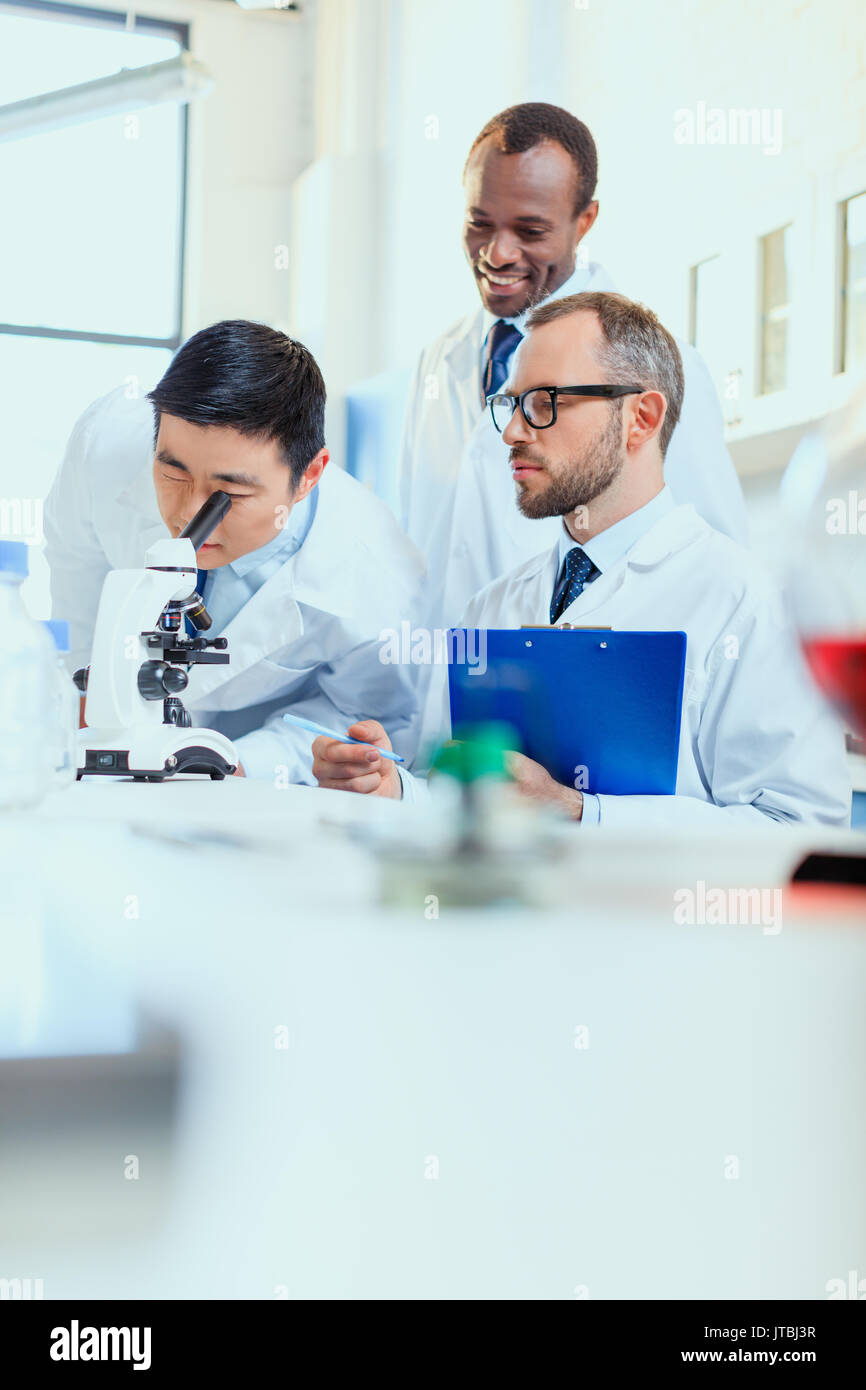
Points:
point(589, 1101)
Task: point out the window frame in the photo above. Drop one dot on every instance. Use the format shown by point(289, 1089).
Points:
point(117, 19)
point(694, 288)
point(778, 314)
point(841, 363)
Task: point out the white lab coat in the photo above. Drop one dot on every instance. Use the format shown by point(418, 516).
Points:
point(756, 741)
point(457, 496)
point(309, 639)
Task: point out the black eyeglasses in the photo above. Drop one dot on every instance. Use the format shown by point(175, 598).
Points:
point(538, 405)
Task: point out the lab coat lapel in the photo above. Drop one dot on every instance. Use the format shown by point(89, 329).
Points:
point(321, 572)
point(463, 359)
point(541, 581)
point(672, 532)
point(594, 595)
point(268, 622)
point(523, 598)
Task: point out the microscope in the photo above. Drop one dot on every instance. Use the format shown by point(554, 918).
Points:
point(137, 725)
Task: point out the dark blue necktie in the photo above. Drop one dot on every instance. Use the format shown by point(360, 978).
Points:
point(502, 340)
point(578, 569)
point(200, 581)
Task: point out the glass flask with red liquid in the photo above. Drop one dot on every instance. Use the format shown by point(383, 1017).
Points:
point(823, 495)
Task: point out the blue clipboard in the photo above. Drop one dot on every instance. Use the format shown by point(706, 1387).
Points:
point(599, 709)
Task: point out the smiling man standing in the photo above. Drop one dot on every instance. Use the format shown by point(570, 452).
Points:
point(530, 200)
point(300, 576)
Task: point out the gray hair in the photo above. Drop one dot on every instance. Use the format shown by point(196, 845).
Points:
point(637, 346)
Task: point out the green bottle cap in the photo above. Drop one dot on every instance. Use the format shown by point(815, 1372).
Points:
point(477, 750)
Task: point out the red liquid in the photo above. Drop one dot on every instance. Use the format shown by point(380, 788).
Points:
point(838, 664)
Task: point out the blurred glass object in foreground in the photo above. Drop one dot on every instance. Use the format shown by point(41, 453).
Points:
point(823, 496)
point(89, 1084)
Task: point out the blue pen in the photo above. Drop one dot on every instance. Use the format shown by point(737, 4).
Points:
point(341, 738)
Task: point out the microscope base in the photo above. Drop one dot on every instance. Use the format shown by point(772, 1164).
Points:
point(154, 752)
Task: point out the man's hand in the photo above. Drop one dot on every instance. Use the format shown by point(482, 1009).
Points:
point(239, 771)
point(535, 782)
point(346, 767)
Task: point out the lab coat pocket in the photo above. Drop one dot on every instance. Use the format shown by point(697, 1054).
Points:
point(273, 678)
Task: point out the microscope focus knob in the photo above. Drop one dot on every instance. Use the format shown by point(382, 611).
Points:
point(156, 679)
point(174, 713)
point(175, 680)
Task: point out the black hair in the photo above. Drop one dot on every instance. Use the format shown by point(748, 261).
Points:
point(248, 376)
point(521, 128)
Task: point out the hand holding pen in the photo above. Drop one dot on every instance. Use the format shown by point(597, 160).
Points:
point(362, 763)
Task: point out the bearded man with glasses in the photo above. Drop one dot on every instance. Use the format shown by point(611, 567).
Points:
point(593, 397)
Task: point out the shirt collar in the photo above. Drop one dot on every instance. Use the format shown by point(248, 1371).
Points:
point(611, 545)
point(577, 281)
point(288, 539)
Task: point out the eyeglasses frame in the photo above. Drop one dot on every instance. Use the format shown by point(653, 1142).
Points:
point(603, 392)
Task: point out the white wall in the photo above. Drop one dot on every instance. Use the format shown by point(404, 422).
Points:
point(404, 85)
point(667, 205)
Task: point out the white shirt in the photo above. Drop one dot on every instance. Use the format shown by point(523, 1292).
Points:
point(757, 742)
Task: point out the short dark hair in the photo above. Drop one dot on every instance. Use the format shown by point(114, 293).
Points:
point(637, 345)
point(521, 128)
point(248, 376)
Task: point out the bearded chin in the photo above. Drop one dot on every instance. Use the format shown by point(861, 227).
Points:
point(565, 495)
point(539, 504)
point(580, 484)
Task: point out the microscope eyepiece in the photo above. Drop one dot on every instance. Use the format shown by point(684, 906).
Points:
point(206, 519)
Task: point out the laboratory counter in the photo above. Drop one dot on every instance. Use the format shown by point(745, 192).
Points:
point(236, 1066)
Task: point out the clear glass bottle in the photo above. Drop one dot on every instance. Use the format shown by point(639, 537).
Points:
point(27, 684)
point(66, 747)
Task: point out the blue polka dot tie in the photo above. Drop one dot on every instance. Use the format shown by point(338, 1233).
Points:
point(502, 340)
point(578, 569)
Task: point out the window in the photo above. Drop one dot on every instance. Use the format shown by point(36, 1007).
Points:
point(852, 309)
point(775, 279)
point(91, 241)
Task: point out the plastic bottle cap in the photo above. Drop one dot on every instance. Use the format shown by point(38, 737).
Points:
point(14, 558)
point(477, 750)
point(59, 629)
